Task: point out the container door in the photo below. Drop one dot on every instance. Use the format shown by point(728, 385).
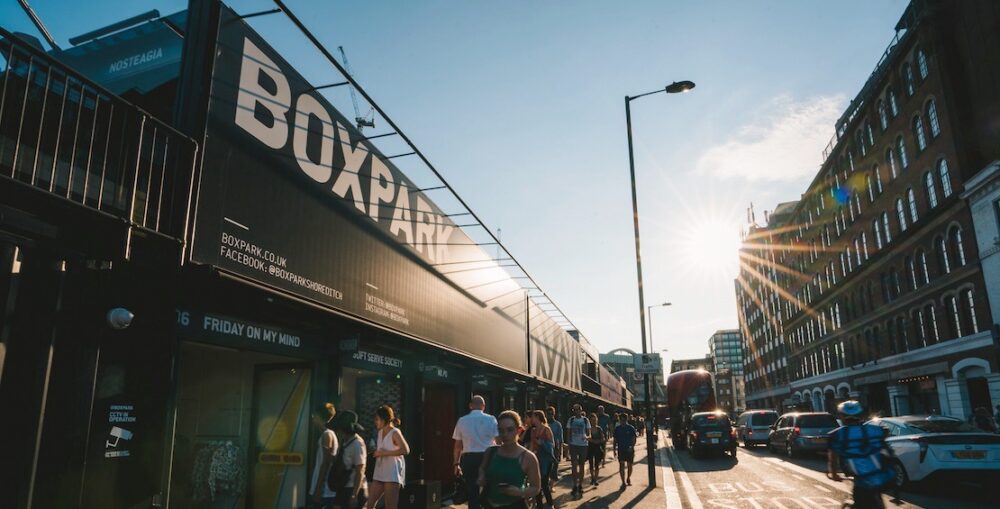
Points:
point(280, 430)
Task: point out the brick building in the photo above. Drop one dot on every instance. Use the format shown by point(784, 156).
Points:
point(870, 286)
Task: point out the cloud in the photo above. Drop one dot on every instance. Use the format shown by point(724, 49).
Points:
point(783, 145)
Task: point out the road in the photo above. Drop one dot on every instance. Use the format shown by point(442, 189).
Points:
point(758, 479)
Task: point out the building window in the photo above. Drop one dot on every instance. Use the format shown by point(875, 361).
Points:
point(932, 200)
point(908, 83)
point(900, 214)
point(877, 233)
point(956, 240)
point(922, 64)
point(944, 264)
point(919, 134)
point(932, 118)
point(922, 258)
point(932, 313)
point(972, 311)
point(857, 250)
point(912, 269)
point(912, 199)
point(891, 161)
point(870, 134)
point(871, 188)
point(864, 243)
point(945, 176)
point(901, 150)
point(893, 104)
point(885, 227)
point(883, 115)
point(954, 317)
point(860, 142)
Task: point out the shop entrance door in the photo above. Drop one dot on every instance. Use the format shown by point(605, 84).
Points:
point(979, 393)
point(439, 422)
point(280, 436)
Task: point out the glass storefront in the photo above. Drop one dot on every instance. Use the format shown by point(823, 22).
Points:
point(362, 391)
point(242, 434)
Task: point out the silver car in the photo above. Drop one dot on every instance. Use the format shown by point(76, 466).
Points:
point(797, 432)
point(753, 426)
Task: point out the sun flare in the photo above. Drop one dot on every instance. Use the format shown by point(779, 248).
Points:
point(711, 247)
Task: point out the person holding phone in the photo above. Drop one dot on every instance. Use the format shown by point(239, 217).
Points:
point(509, 473)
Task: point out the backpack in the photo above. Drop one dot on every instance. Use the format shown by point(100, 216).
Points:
point(339, 474)
point(867, 465)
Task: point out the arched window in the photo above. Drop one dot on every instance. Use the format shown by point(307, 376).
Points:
point(912, 199)
point(869, 134)
point(944, 264)
point(883, 115)
point(901, 339)
point(878, 178)
point(877, 233)
point(891, 161)
point(901, 152)
point(885, 227)
point(919, 134)
point(871, 188)
point(864, 243)
point(859, 140)
point(857, 250)
point(931, 190)
point(945, 176)
point(912, 269)
point(908, 83)
point(922, 265)
point(932, 118)
point(973, 322)
point(922, 69)
point(921, 325)
point(956, 240)
point(893, 103)
point(900, 214)
point(932, 316)
point(954, 318)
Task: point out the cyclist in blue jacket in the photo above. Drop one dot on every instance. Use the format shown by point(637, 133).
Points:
point(859, 448)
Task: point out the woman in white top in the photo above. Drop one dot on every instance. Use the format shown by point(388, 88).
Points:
point(390, 468)
point(326, 450)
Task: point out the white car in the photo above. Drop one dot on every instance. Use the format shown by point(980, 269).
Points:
point(932, 444)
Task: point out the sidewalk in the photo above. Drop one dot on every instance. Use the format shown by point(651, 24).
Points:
point(607, 494)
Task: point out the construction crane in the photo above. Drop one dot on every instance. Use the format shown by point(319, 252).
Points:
point(361, 121)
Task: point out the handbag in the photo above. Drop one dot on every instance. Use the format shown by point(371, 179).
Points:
point(461, 495)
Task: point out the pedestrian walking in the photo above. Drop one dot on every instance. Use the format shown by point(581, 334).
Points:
point(624, 445)
point(557, 438)
point(604, 421)
point(595, 449)
point(474, 433)
point(354, 456)
point(543, 445)
point(390, 468)
point(509, 474)
point(326, 449)
point(579, 436)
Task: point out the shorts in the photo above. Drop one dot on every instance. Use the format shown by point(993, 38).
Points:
point(578, 453)
point(595, 452)
point(626, 454)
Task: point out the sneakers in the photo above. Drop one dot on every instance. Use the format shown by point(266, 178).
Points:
point(622, 487)
point(629, 482)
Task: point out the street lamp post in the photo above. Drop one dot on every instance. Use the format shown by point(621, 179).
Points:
point(673, 88)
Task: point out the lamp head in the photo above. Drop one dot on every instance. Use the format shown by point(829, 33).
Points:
point(679, 87)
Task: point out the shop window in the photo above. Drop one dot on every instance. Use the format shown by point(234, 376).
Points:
point(364, 391)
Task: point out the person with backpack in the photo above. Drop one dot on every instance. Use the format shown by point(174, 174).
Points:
point(578, 428)
point(509, 474)
point(859, 449)
point(326, 450)
point(347, 476)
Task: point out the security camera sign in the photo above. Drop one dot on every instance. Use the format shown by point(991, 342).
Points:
point(113, 445)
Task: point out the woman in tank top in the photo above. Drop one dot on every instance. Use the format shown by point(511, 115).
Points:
point(390, 467)
point(509, 472)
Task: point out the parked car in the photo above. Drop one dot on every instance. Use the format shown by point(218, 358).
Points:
point(711, 432)
point(753, 426)
point(796, 433)
point(927, 445)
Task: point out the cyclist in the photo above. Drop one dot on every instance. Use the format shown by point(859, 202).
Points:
point(859, 447)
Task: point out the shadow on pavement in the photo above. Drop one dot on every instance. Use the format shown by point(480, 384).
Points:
point(712, 463)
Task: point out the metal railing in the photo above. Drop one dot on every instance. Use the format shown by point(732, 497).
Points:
point(67, 136)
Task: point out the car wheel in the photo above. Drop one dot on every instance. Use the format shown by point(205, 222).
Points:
point(901, 478)
point(770, 446)
point(789, 450)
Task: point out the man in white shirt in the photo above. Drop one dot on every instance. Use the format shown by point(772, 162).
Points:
point(578, 428)
point(474, 433)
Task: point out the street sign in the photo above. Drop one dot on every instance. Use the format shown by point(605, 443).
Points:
point(648, 364)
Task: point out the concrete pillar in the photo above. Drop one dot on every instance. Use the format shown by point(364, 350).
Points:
point(899, 405)
point(943, 408)
point(957, 405)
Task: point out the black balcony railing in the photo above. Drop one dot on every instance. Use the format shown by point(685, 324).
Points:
point(66, 136)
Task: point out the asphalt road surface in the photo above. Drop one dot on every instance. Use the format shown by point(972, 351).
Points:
point(758, 479)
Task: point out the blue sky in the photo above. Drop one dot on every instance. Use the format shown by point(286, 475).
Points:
point(520, 106)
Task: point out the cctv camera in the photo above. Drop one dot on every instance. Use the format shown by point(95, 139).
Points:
point(120, 318)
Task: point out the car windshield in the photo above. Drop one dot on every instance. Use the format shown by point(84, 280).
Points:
point(710, 421)
point(941, 426)
point(764, 419)
point(816, 421)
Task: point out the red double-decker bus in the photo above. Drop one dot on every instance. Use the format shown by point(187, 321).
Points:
point(688, 392)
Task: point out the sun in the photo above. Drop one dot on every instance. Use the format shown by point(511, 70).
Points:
point(710, 246)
